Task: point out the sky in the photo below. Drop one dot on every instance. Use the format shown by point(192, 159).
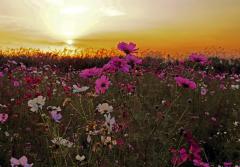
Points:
point(152, 24)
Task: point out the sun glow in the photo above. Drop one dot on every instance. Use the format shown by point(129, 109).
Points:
point(70, 42)
point(74, 19)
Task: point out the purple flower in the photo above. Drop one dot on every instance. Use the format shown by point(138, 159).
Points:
point(23, 161)
point(16, 84)
point(227, 164)
point(199, 163)
point(102, 84)
point(179, 157)
point(56, 116)
point(198, 58)
point(1, 74)
point(109, 68)
point(3, 117)
point(120, 64)
point(91, 72)
point(133, 60)
point(127, 48)
point(185, 83)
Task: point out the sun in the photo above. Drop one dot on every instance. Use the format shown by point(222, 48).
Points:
point(70, 42)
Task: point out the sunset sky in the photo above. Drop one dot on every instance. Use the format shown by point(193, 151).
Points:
point(153, 24)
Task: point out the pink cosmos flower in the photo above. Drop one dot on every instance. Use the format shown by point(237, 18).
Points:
point(227, 164)
point(3, 117)
point(120, 64)
point(200, 163)
point(203, 91)
point(1, 74)
point(16, 84)
point(179, 157)
point(23, 161)
point(56, 116)
point(109, 68)
point(195, 151)
point(90, 72)
point(186, 83)
point(133, 60)
point(127, 48)
point(120, 142)
point(129, 88)
point(102, 84)
point(198, 58)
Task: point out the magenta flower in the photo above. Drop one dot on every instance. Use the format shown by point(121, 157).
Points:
point(133, 60)
point(16, 84)
point(109, 68)
point(179, 157)
point(3, 117)
point(127, 48)
point(199, 58)
point(91, 72)
point(23, 161)
point(199, 163)
point(185, 83)
point(195, 150)
point(227, 164)
point(1, 74)
point(56, 116)
point(102, 84)
point(120, 64)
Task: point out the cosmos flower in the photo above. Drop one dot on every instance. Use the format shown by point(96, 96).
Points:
point(16, 84)
point(235, 87)
point(80, 158)
point(104, 108)
point(3, 117)
point(199, 163)
point(90, 72)
point(127, 48)
point(109, 68)
point(203, 91)
point(185, 83)
point(1, 74)
point(133, 60)
point(23, 161)
point(77, 89)
point(55, 113)
point(109, 122)
point(120, 64)
point(56, 116)
point(179, 157)
point(62, 141)
point(227, 164)
point(102, 84)
point(199, 58)
point(36, 103)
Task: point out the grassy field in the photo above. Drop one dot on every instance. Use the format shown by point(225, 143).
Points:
point(120, 111)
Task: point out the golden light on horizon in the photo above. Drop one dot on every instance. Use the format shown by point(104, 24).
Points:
point(70, 42)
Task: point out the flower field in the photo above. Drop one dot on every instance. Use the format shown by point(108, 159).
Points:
point(119, 111)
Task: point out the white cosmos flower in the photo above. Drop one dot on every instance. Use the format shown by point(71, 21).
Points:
point(234, 87)
point(62, 141)
point(76, 89)
point(109, 122)
point(36, 103)
point(80, 158)
point(104, 108)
